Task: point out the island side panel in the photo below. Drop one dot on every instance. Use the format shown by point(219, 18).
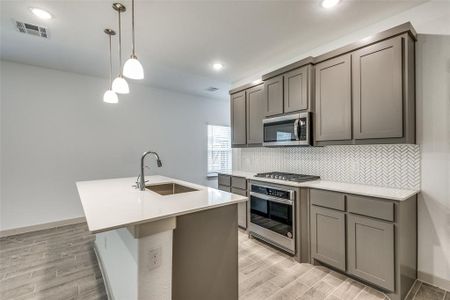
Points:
point(117, 251)
point(205, 255)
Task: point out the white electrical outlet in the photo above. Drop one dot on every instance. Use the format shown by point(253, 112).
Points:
point(154, 258)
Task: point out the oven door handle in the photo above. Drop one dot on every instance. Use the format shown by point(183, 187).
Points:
point(273, 199)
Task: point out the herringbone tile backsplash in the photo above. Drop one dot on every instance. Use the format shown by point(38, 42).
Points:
point(383, 165)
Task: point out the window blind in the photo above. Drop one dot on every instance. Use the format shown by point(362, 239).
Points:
point(219, 149)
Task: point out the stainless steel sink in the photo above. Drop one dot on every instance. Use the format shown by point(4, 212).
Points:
point(169, 188)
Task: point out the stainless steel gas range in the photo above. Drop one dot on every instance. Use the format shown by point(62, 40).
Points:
point(273, 213)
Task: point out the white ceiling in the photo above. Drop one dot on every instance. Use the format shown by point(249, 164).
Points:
point(177, 41)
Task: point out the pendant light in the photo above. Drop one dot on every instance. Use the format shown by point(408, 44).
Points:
point(119, 84)
point(110, 96)
point(133, 68)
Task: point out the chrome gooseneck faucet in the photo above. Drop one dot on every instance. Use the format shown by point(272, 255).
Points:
point(141, 179)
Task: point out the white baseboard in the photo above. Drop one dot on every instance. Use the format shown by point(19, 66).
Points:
point(434, 280)
point(37, 227)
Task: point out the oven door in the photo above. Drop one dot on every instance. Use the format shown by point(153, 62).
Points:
point(287, 130)
point(272, 219)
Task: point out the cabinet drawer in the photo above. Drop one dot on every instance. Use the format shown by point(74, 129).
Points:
point(372, 207)
point(239, 182)
point(239, 191)
point(327, 199)
point(224, 180)
point(224, 188)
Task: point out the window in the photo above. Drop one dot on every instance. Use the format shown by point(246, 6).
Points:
point(219, 149)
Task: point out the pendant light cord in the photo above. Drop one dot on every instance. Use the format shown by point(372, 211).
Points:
point(132, 28)
point(120, 45)
point(110, 61)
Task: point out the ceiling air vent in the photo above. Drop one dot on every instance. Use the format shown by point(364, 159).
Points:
point(212, 89)
point(32, 29)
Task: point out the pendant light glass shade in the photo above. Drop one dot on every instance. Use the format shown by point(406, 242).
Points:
point(133, 69)
point(120, 85)
point(110, 97)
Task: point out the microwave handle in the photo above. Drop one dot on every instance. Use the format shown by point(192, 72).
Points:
point(296, 129)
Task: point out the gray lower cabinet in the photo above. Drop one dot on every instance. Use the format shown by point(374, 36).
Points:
point(296, 90)
point(333, 120)
point(242, 208)
point(235, 185)
point(224, 188)
point(378, 90)
point(255, 115)
point(328, 236)
point(238, 119)
point(273, 96)
point(368, 238)
point(370, 247)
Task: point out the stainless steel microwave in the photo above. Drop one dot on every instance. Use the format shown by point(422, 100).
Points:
point(288, 130)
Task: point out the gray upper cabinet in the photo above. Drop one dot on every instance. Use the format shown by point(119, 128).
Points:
point(238, 119)
point(333, 100)
point(273, 96)
point(255, 115)
point(377, 90)
point(328, 236)
point(371, 250)
point(296, 90)
point(362, 93)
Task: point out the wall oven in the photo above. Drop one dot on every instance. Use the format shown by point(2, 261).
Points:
point(272, 215)
point(289, 130)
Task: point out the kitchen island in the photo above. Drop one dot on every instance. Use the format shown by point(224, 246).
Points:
point(174, 240)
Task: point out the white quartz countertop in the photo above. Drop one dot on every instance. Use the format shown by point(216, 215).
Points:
point(349, 188)
point(114, 203)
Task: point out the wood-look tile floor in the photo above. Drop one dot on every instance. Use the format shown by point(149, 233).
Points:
point(265, 273)
point(60, 263)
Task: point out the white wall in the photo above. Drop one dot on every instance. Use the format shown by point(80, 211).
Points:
point(55, 130)
point(433, 135)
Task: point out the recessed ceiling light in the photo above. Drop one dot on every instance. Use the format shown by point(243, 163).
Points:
point(217, 66)
point(329, 3)
point(40, 13)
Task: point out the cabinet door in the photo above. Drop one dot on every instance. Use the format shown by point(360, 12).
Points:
point(378, 90)
point(333, 100)
point(238, 125)
point(273, 96)
point(371, 250)
point(224, 188)
point(328, 236)
point(255, 115)
point(242, 208)
point(296, 90)
point(242, 215)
